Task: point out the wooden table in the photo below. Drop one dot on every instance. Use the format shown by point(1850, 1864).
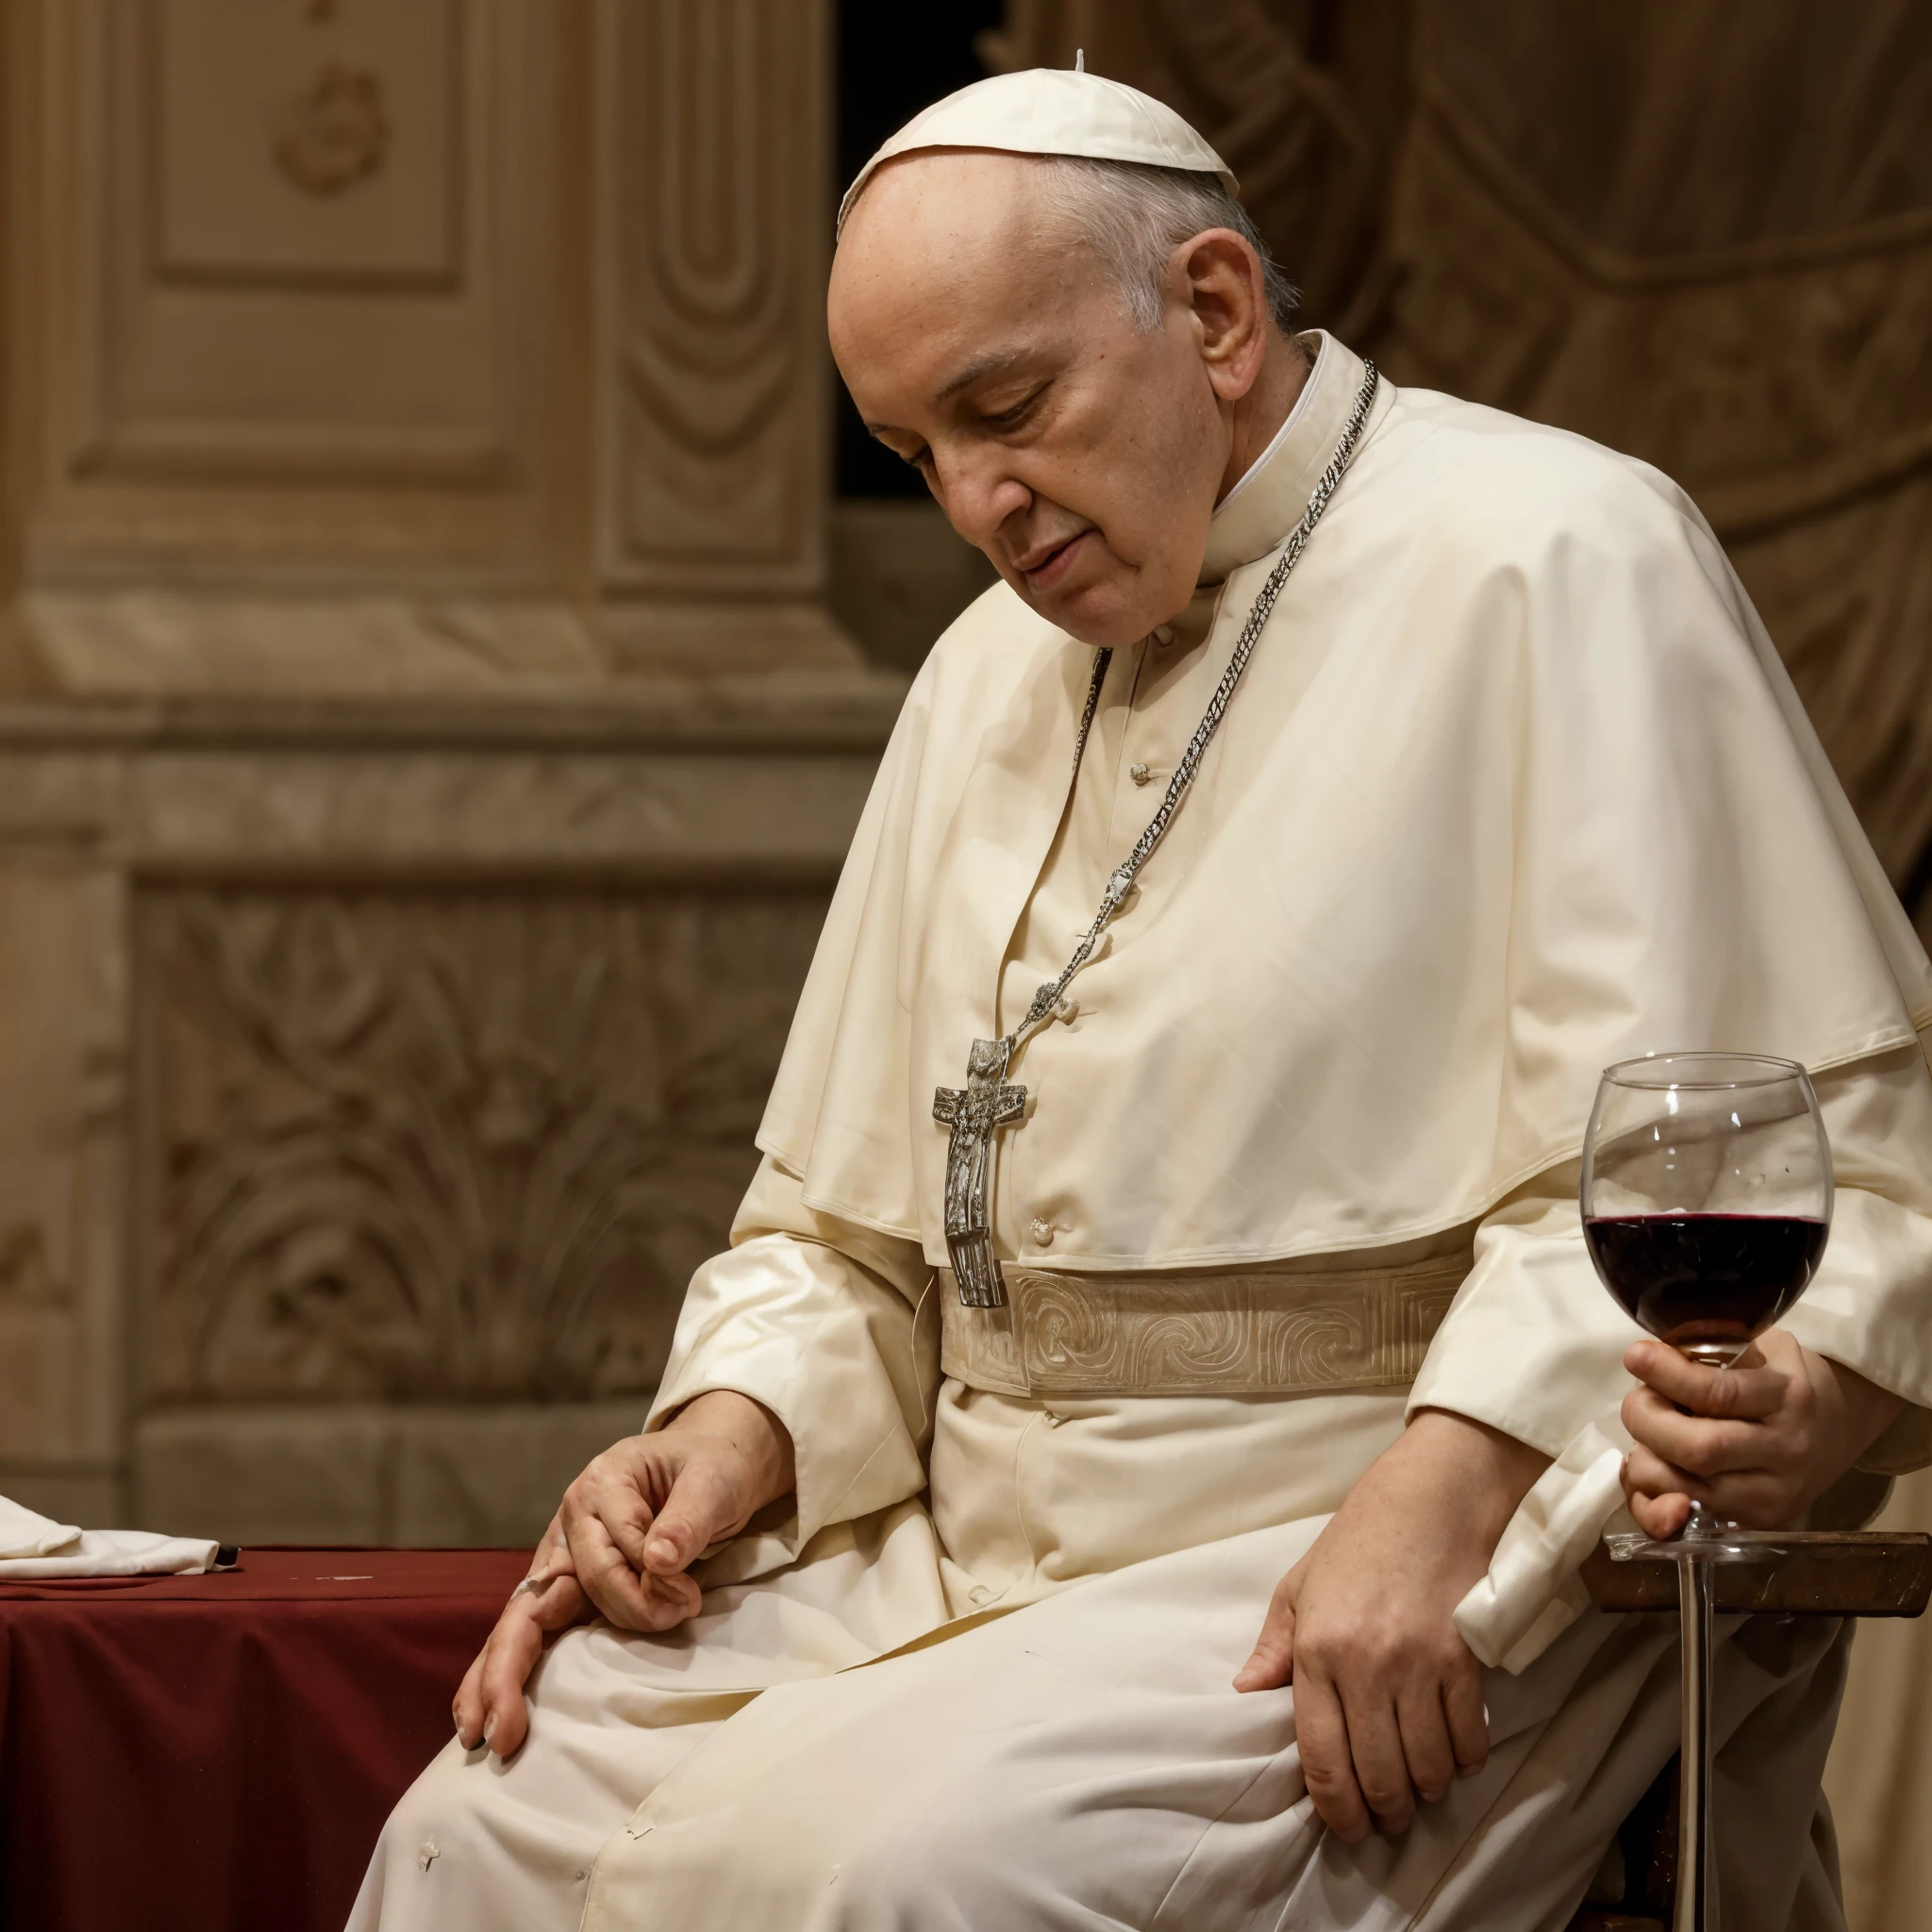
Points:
point(1840, 1574)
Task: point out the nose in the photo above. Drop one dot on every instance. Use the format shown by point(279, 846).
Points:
point(978, 492)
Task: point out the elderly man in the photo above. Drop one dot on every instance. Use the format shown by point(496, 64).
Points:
point(1158, 1366)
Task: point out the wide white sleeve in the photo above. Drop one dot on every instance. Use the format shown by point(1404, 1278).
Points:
point(1869, 1305)
point(821, 1321)
point(1533, 1345)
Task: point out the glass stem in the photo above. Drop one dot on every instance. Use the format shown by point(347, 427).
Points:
point(1696, 1902)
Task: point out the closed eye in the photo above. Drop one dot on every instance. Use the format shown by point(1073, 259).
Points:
point(1007, 419)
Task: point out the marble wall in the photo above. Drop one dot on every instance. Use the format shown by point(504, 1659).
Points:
point(427, 744)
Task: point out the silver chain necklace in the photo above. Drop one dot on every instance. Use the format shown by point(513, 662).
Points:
point(987, 1102)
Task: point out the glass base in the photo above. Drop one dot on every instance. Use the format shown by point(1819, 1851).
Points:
point(1721, 1542)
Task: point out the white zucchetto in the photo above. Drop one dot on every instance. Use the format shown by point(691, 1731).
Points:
point(1051, 111)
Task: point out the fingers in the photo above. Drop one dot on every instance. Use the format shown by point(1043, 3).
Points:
point(1321, 1738)
point(1782, 1445)
point(607, 1518)
point(644, 1513)
point(467, 1705)
point(1468, 1718)
point(1422, 1724)
point(551, 1554)
point(1694, 1443)
point(1733, 1438)
point(1660, 1492)
point(620, 1491)
point(489, 1707)
point(1272, 1662)
point(1660, 1517)
point(1749, 1390)
point(1442, 1732)
point(1375, 1742)
point(703, 1507)
point(630, 1600)
point(628, 1528)
point(1649, 1475)
point(507, 1663)
point(1377, 1730)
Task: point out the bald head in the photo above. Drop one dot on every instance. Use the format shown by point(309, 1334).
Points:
point(989, 334)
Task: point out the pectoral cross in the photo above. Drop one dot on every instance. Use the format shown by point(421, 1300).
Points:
point(985, 1105)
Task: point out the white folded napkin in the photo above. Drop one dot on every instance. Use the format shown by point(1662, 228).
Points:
point(34, 1546)
point(1533, 1592)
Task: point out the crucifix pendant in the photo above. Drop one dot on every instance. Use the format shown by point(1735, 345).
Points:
point(975, 1113)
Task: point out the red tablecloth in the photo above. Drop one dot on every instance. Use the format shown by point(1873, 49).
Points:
point(219, 1752)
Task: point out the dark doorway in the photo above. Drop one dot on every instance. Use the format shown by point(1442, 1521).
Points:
point(894, 59)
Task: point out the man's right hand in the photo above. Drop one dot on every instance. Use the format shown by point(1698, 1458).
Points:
point(630, 1528)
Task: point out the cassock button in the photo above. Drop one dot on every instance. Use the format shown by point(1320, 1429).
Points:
point(1042, 1232)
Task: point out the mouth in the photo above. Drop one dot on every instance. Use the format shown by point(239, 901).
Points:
point(1045, 564)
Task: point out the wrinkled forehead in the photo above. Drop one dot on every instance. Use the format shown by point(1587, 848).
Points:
point(953, 239)
point(980, 198)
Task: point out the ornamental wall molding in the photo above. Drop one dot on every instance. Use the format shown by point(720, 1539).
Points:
point(335, 132)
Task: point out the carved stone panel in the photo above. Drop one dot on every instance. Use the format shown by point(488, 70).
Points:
point(445, 1146)
point(62, 1101)
point(716, 184)
point(311, 248)
point(299, 145)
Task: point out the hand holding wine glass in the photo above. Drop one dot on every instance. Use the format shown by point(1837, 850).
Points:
point(1707, 1196)
point(1707, 1201)
point(1757, 1435)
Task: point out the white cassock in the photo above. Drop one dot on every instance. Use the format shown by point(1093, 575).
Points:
point(1514, 787)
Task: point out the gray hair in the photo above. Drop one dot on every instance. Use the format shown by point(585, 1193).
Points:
point(1135, 216)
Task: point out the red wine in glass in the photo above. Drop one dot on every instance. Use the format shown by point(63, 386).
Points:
point(1705, 1195)
point(1706, 1282)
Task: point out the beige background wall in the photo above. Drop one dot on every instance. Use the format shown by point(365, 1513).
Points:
point(426, 742)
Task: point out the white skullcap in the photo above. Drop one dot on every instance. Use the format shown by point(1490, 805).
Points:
point(1054, 110)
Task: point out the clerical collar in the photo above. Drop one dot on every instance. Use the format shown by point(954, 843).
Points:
point(1268, 500)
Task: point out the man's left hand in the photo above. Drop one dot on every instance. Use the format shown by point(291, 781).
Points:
point(1755, 1443)
point(1387, 1698)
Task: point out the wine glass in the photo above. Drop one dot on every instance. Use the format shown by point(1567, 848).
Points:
point(1707, 1201)
point(1705, 1195)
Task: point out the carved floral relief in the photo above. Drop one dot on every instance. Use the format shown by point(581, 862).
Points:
point(448, 1146)
point(334, 133)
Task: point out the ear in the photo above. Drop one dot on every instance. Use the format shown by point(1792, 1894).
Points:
point(1217, 278)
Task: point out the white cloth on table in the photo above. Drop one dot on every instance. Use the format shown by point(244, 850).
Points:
point(33, 1547)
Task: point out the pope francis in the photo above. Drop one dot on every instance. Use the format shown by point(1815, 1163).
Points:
point(1131, 1466)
